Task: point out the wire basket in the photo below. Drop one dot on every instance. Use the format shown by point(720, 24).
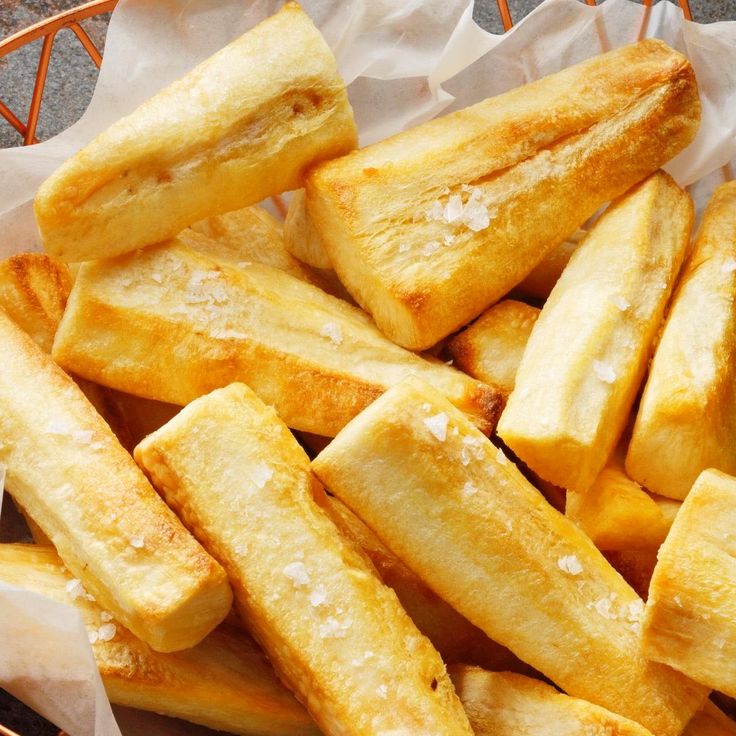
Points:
point(71, 19)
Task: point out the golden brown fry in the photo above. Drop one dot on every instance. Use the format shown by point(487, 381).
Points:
point(241, 126)
point(507, 704)
point(430, 227)
point(171, 324)
point(33, 292)
point(710, 721)
point(464, 519)
point(540, 282)
point(690, 617)
point(589, 349)
point(224, 682)
point(249, 234)
point(617, 513)
point(491, 348)
point(334, 633)
point(454, 637)
point(68, 471)
point(687, 418)
point(301, 237)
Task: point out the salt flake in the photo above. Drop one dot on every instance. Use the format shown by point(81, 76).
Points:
point(261, 474)
point(333, 331)
point(318, 597)
point(137, 542)
point(619, 302)
point(437, 425)
point(107, 632)
point(469, 490)
point(604, 371)
point(570, 564)
point(297, 573)
point(729, 265)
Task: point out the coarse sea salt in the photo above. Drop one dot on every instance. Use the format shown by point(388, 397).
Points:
point(729, 265)
point(318, 597)
point(138, 542)
point(570, 564)
point(107, 632)
point(437, 425)
point(604, 371)
point(297, 573)
point(332, 331)
point(469, 490)
point(261, 474)
point(430, 248)
point(619, 302)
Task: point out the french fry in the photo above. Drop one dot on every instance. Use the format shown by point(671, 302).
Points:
point(34, 289)
point(475, 531)
point(710, 721)
point(617, 513)
point(301, 237)
point(508, 704)
point(33, 292)
point(428, 228)
point(224, 682)
point(241, 126)
point(540, 282)
point(316, 359)
point(690, 617)
point(589, 349)
point(334, 633)
point(68, 471)
point(687, 417)
point(491, 348)
point(454, 637)
point(248, 234)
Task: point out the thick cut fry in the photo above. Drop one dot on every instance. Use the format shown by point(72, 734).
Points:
point(454, 637)
point(507, 704)
point(170, 324)
point(301, 237)
point(33, 292)
point(68, 471)
point(710, 721)
point(249, 234)
point(491, 348)
point(690, 617)
point(464, 519)
point(687, 417)
point(589, 349)
point(224, 682)
point(617, 513)
point(540, 282)
point(334, 633)
point(241, 126)
point(430, 227)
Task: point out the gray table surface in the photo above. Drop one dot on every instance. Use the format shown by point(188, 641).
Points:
point(68, 90)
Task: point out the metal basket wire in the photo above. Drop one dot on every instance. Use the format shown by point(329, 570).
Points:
point(71, 19)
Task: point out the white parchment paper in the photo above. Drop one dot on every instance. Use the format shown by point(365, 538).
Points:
point(405, 62)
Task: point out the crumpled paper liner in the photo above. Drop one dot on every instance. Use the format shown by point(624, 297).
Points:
point(405, 63)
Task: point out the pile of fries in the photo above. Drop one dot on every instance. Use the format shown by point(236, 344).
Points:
point(274, 515)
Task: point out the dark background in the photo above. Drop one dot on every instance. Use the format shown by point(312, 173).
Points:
point(68, 90)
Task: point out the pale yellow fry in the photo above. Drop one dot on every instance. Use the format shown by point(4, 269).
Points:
point(464, 519)
point(335, 634)
point(491, 348)
point(171, 324)
point(428, 228)
point(508, 704)
point(690, 618)
point(224, 682)
point(248, 234)
point(589, 349)
point(617, 513)
point(68, 471)
point(241, 126)
point(687, 418)
point(454, 637)
point(301, 237)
